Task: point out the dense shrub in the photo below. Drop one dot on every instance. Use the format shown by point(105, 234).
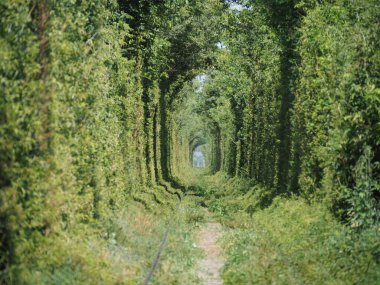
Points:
point(336, 113)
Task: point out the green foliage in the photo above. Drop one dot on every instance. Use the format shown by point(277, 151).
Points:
point(87, 89)
point(100, 106)
point(65, 137)
point(336, 111)
point(249, 78)
point(120, 253)
point(292, 242)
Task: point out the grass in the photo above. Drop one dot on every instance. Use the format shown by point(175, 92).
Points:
point(122, 249)
point(289, 242)
point(179, 260)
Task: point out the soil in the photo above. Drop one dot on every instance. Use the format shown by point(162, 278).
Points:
point(212, 262)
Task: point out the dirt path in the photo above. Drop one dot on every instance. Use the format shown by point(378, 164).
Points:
point(212, 262)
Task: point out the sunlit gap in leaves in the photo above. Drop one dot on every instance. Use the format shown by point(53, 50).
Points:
point(199, 160)
point(239, 6)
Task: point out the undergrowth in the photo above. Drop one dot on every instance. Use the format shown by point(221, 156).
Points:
point(291, 241)
point(120, 250)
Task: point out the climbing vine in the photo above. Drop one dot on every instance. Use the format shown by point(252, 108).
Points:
point(103, 103)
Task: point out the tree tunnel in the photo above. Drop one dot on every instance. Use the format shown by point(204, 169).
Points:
point(194, 144)
point(104, 102)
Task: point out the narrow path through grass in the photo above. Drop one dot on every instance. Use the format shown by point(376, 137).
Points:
point(212, 262)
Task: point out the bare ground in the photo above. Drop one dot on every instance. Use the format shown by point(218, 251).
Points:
point(210, 265)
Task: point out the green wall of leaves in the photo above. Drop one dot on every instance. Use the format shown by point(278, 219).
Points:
point(98, 104)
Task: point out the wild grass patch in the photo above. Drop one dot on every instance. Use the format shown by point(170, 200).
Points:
point(293, 242)
point(287, 241)
point(120, 250)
